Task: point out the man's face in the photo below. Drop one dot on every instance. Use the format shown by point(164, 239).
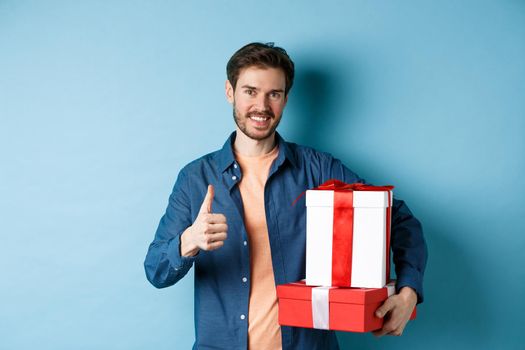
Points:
point(258, 101)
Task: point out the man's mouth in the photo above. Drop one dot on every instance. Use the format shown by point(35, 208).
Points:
point(259, 118)
point(260, 121)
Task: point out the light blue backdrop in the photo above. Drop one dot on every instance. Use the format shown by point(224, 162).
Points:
point(102, 103)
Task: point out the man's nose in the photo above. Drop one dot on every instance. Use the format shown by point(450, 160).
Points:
point(262, 103)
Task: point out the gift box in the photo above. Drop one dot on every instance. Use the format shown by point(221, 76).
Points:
point(348, 235)
point(335, 308)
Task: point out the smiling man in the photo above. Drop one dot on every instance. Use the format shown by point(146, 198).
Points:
point(258, 102)
point(230, 216)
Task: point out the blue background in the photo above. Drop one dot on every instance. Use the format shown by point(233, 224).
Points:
point(102, 103)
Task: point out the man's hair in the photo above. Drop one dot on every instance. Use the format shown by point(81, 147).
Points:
point(263, 56)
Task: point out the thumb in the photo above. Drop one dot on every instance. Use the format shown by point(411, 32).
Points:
point(206, 203)
point(383, 309)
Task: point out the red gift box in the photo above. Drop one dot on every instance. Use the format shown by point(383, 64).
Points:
point(335, 308)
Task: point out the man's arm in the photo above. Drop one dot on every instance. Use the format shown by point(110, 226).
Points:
point(409, 249)
point(164, 264)
point(410, 258)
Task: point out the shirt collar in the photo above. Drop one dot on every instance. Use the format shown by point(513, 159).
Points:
point(225, 156)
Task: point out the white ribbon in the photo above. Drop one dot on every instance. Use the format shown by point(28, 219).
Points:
point(391, 288)
point(321, 307)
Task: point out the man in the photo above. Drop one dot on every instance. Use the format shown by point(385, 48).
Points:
point(231, 216)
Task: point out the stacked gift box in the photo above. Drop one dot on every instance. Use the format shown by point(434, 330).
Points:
point(347, 260)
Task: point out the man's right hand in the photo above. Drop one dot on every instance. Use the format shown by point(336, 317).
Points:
point(208, 232)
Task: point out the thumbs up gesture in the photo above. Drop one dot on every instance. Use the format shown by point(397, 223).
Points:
point(208, 232)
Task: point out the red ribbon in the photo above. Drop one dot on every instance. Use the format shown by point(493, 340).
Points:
point(343, 228)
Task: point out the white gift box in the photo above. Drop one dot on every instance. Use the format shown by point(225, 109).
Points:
point(367, 263)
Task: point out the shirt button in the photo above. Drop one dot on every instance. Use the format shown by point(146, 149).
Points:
point(243, 317)
point(235, 165)
point(244, 279)
point(245, 243)
point(234, 177)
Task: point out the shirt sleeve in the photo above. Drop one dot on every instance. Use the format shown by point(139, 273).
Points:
point(409, 249)
point(407, 241)
point(164, 264)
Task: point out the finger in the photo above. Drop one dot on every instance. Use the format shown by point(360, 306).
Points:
point(214, 228)
point(388, 327)
point(219, 236)
point(214, 245)
point(214, 237)
point(398, 317)
point(215, 219)
point(398, 331)
point(386, 307)
point(398, 324)
point(395, 319)
point(380, 332)
point(208, 200)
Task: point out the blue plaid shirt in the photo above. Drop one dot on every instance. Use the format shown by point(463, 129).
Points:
point(222, 276)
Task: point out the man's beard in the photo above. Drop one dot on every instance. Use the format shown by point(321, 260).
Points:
point(241, 123)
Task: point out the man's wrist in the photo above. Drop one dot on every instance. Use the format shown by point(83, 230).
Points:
point(408, 293)
point(186, 248)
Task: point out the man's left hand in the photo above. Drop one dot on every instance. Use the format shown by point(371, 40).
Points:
point(396, 311)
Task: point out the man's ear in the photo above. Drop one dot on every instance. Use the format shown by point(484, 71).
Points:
point(229, 91)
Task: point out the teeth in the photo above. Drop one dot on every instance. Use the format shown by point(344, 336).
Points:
point(259, 119)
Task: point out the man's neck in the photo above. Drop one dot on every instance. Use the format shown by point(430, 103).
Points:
point(253, 148)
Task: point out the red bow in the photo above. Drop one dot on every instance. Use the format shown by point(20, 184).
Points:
point(336, 185)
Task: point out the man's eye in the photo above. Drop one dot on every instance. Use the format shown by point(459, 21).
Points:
point(250, 92)
point(275, 95)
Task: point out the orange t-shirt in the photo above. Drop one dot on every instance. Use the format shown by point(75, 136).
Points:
point(264, 331)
